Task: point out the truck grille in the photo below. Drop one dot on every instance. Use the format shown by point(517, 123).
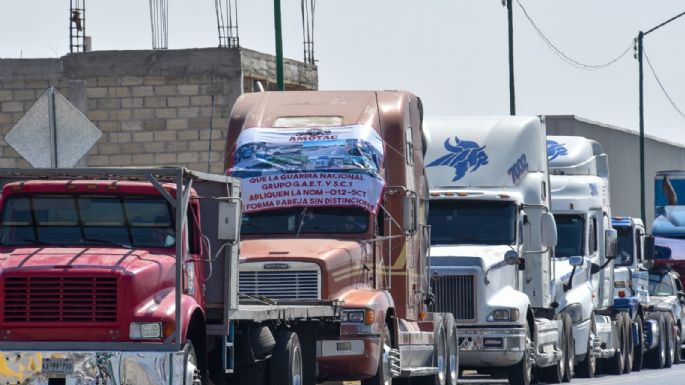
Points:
point(60, 299)
point(284, 285)
point(455, 294)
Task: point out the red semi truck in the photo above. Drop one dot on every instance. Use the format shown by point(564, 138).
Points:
point(113, 276)
point(335, 201)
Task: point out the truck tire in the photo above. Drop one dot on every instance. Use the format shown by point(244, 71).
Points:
point(678, 349)
point(285, 365)
point(521, 373)
point(440, 349)
point(657, 357)
point(570, 354)
point(639, 346)
point(616, 363)
point(628, 352)
point(452, 351)
point(556, 373)
point(588, 366)
point(383, 376)
point(191, 373)
point(670, 340)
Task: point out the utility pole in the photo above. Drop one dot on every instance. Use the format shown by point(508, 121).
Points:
point(512, 93)
point(640, 53)
point(279, 46)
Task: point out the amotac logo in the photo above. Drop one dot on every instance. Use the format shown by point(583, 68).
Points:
point(462, 156)
point(555, 149)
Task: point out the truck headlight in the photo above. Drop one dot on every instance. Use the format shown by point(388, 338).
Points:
point(358, 316)
point(145, 330)
point(504, 314)
point(575, 311)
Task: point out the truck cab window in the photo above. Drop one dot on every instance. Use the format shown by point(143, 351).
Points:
point(626, 246)
point(569, 235)
point(592, 236)
point(472, 222)
point(307, 220)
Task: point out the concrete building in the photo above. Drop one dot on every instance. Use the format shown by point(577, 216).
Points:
point(154, 107)
point(623, 148)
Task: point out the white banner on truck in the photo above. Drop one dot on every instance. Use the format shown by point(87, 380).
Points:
point(309, 167)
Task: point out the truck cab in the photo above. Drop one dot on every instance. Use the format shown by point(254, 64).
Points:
point(491, 240)
point(583, 257)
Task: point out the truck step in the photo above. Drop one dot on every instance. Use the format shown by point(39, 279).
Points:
point(420, 371)
point(394, 361)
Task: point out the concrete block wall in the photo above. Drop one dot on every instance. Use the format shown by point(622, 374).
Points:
point(153, 107)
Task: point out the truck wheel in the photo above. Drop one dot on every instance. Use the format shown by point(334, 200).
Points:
point(439, 361)
point(570, 354)
point(628, 352)
point(588, 366)
point(452, 353)
point(670, 341)
point(616, 363)
point(285, 365)
point(383, 376)
point(657, 357)
point(522, 372)
point(639, 346)
point(556, 373)
point(191, 373)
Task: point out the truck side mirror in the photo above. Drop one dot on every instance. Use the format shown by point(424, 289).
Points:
point(511, 257)
point(548, 230)
point(576, 261)
point(229, 221)
point(409, 213)
point(649, 248)
point(610, 243)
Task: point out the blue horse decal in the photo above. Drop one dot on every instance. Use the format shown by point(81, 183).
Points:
point(555, 149)
point(461, 156)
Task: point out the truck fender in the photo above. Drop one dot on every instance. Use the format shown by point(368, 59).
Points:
point(379, 301)
point(161, 307)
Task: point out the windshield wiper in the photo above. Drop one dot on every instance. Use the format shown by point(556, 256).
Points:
point(106, 242)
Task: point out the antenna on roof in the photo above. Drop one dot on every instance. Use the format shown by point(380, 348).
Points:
point(159, 22)
point(77, 26)
point(227, 23)
point(308, 7)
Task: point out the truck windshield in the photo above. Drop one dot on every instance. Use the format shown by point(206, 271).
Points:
point(660, 284)
point(310, 220)
point(570, 230)
point(626, 245)
point(54, 219)
point(476, 222)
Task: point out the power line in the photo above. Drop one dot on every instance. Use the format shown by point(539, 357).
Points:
point(561, 54)
point(661, 85)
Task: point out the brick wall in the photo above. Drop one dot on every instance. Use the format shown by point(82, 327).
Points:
point(153, 107)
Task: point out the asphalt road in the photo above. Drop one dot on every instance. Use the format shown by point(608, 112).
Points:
point(672, 376)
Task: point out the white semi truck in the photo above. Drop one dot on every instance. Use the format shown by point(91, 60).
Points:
point(491, 242)
point(584, 254)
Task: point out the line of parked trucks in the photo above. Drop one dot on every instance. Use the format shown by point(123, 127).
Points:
point(425, 249)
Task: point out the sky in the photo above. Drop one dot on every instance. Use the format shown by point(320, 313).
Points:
point(451, 53)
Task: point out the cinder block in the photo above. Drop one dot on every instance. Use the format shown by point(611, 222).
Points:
point(41, 84)
point(188, 89)
point(140, 91)
point(108, 103)
point(130, 80)
point(198, 123)
point(154, 80)
point(155, 101)
point(109, 125)
point(143, 113)
point(144, 136)
point(132, 102)
point(8, 162)
point(187, 157)
point(107, 81)
point(165, 113)
point(98, 115)
point(154, 124)
point(165, 135)
point(120, 114)
point(176, 146)
point(143, 159)
point(177, 124)
point(23, 95)
point(188, 112)
point(120, 160)
point(6, 118)
point(178, 101)
point(98, 160)
point(5, 95)
point(214, 156)
point(108, 148)
point(132, 125)
point(12, 107)
point(120, 137)
point(165, 158)
point(122, 92)
point(132, 148)
point(201, 100)
point(154, 147)
point(198, 145)
point(188, 135)
point(166, 90)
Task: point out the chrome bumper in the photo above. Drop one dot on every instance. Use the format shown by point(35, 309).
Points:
point(491, 347)
point(92, 368)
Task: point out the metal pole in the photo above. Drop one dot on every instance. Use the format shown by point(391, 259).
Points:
point(279, 46)
point(512, 93)
point(52, 118)
point(642, 130)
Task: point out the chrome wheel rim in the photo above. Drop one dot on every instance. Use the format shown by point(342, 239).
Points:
point(297, 366)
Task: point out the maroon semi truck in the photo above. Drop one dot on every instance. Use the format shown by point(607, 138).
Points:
point(129, 276)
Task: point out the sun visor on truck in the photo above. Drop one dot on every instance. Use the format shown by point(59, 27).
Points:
point(309, 167)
